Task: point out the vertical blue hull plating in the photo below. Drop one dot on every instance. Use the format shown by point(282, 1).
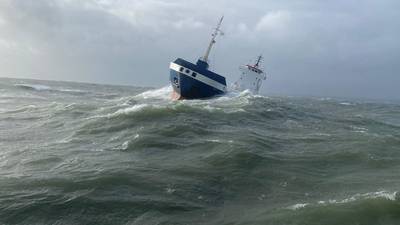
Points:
point(188, 87)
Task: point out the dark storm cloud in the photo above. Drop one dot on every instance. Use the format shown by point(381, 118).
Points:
point(322, 48)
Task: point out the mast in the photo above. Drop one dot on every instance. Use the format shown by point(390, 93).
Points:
point(258, 61)
point(212, 42)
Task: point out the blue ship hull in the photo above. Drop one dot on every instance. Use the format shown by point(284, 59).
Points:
point(195, 81)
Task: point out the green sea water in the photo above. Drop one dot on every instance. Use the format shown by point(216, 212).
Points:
point(73, 153)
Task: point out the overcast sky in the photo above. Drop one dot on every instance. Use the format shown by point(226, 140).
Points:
point(343, 48)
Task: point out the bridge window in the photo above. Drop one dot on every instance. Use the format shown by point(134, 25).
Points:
point(194, 74)
point(181, 69)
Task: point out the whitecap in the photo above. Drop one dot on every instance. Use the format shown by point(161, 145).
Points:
point(73, 91)
point(381, 194)
point(359, 129)
point(129, 110)
point(370, 195)
point(214, 140)
point(37, 87)
point(346, 103)
point(297, 206)
point(322, 134)
point(125, 145)
point(392, 196)
point(219, 141)
point(161, 93)
point(170, 190)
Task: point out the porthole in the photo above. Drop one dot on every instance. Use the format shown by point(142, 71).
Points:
point(187, 71)
point(176, 81)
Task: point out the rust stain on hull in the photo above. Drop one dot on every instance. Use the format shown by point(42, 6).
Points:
point(176, 96)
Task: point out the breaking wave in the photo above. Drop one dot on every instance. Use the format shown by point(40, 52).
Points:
point(36, 87)
point(384, 195)
point(40, 87)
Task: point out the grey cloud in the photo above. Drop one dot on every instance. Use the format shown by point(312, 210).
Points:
point(321, 48)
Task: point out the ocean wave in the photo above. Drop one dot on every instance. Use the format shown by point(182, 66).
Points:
point(235, 159)
point(347, 103)
point(163, 93)
point(128, 111)
point(357, 129)
point(158, 100)
point(297, 206)
point(22, 109)
point(76, 91)
point(36, 87)
point(40, 87)
point(392, 196)
point(227, 106)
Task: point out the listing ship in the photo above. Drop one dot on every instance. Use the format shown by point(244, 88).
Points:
point(196, 81)
point(251, 77)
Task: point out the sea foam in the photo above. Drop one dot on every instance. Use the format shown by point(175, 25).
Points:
point(392, 196)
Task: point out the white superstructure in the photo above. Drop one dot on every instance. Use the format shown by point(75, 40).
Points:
point(251, 77)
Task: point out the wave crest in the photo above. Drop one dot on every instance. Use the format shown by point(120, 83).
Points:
point(36, 87)
point(392, 196)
